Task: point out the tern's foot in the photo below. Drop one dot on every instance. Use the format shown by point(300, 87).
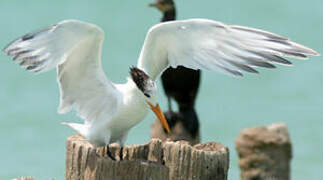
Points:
point(109, 154)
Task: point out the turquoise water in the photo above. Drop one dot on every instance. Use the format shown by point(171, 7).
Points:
point(33, 141)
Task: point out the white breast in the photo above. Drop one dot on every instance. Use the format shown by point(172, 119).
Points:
point(131, 111)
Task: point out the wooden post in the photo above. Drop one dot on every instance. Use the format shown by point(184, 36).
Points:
point(264, 152)
point(155, 160)
point(178, 133)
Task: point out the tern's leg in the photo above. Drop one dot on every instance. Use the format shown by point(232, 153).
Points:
point(121, 142)
point(109, 153)
point(107, 142)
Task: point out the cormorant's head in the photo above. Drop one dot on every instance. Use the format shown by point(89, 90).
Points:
point(148, 87)
point(163, 5)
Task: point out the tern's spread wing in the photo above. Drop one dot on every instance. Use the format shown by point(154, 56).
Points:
point(73, 47)
point(210, 45)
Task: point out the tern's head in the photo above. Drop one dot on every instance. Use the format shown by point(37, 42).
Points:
point(149, 89)
point(163, 5)
point(144, 83)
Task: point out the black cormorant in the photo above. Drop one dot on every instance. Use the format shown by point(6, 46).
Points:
point(180, 84)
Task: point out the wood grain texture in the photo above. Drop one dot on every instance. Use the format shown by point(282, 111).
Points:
point(177, 133)
point(265, 152)
point(155, 160)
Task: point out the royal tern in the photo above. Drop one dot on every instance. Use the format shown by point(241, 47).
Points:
point(109, 110)
point(180, 84)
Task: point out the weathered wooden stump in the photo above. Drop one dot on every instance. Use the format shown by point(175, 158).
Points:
point(178, 133)
point(264, 152)
point(155, 160)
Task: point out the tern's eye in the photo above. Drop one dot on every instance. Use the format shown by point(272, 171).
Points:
point(147, 95)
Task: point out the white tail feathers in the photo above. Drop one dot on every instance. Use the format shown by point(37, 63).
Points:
point(80, 128)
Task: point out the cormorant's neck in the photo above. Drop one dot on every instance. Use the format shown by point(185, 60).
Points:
point(169, 15)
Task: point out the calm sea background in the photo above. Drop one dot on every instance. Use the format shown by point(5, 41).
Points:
point(33, 140)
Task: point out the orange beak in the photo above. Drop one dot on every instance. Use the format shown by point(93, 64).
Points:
point(156, 109)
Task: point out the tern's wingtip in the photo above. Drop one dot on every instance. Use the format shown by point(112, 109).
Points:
point(316, 53)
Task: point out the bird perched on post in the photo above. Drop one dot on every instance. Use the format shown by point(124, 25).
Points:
point(180, 84)
point(110, 110)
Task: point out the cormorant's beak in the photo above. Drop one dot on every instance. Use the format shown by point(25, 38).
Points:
point(160, 6)
point(154, 4)
point(159, 113)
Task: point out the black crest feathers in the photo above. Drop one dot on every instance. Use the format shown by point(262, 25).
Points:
point(141, 79)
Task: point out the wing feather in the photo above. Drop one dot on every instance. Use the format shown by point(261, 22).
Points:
point(210, 45)
point(74, 48)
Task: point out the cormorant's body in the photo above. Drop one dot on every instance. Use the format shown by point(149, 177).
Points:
point(180, 84)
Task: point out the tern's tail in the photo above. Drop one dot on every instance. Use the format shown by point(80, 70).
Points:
point(80, 128)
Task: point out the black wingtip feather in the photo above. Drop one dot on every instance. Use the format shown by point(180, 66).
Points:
point(243, 67)
point(12, 52)
point(31, 35)
point(279, 59)
point(29, 68)
point(6, 50)
point(263, 64)
point(271, 57)
point(26, 37)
